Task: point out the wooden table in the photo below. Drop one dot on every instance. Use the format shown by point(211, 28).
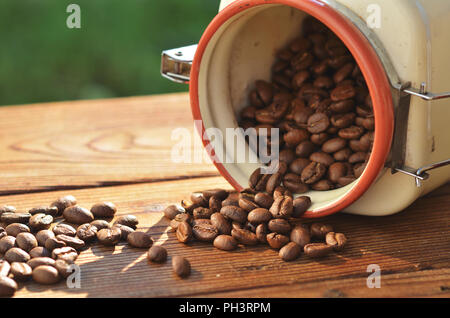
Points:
point(119, 150)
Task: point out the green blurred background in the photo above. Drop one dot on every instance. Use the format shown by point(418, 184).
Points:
point(117, 51)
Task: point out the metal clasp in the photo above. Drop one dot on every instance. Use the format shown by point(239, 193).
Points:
point(176, 63)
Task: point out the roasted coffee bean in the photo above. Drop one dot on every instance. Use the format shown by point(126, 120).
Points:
point(319, 139)
point(39, 251)
point(322, 185)
point(87, 232)
point(205, 232)
point(7, 286)
point(264, 200)
point(43, 235)
point(333, 145)
point(5, 267)
point(343, 154)
point(52, 242)
point(261, 232)
point(343, 92)
point(323, 82)
point(49, 210)
point(26, 241)
point(352, 132)
point(294, 183)
point(298, 165)
point(214, 204)
point(181, 266)
point(38, 261)
point(322, 157)
point(259, 215)
point(234, 213)
point(359, 169)
point(184, 232)
point(318, 123)
point(282, 207)
point(182, 217)
point(157, 254)
point(78, 215)
point(220, 194)
point(189, 206)
point(258, 180)
point(104, 210)
point(124, 231)
point(64, 269)
point(279, 226)
point(65, 229)
point(3, 232)
point(21, 271)
point(304, 149)
point(276, 240)
point(287, 155)
point(172, 210)
point(71, 241)
point(67, 253)
point(336, 240)
point(46, 275)
point(199, 199)
point(300, 234)
point(294, 137)
point(7, 243)
point(319, 230)
point(128, 220)
point(222, 225)
point(202, 213)
point(225, 243)
point(140, 239)
point(100, 224)
point(244, 237)
point(281, 191)
point(341, 107)
point(110, 236)
point(274, 181)
point(7, 208)
point(336, 171)
point(15, 217)
point(301, 205)
point(317, 250)
point(313, 173)
point(236, 225)
point(16, 228)
point(342, 120)
point(289, 252)
point(40, 221)
point(16, 254)
point(299, 78)
point(357, 157)
point(64, 202)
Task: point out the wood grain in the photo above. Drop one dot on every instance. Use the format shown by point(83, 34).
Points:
point(94, 143)
point(413, 244)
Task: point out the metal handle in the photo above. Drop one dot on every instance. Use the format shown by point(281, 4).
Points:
point(176, 63)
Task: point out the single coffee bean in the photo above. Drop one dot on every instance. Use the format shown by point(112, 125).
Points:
point(128, 220)
point(343, 106)
point(140, 239)
point(189, 206)
point(21, 271)
point(67, 253)
point(301, 205)
point(43, 235)
point(287, 155)
point(172, 210)
point(281, 191)
point(64, 202)
point(71, 241)
point(78, 215)
point(64, 269)
point(244, 236)
point(124, 231)
point(52, 242)
point(319, 139)
point(357, 157)
point(199, 199)
point(318, 123)
point(15, 228)
point(40, 221)
point(313, 173)
point(110, 236)
point(336, 171)
point(259, 215)
point(342, 120)
point(258, 180)
point(157, 254)
point(181, 266)
point(11, 217)
point(342, 155)
point(225, 243)
point(100, 224)
point(359, 169)
point(264, 200)
point(7, 208)
point(333, 145)
point(316, 250)
point(294, 183)
point(16, 254)
point(276, 240)
point(273, 182)
point(7, 286)
point(205, 232)
point(214, 204)
point(282, 207)
point(322, 185)
point(220, 194)
point(7, 243)
point(182, 217)
point(298, 165)
point(222, 225)
point(343, 181)
point(46, 275)
point(300, 235)
point(319, 230)
point(352, 132)
point(26, 241)
point(279, 226)
point(304, 149)
point(64, 229)
point(38, 261)
point(202, 213)
point(104, 210)
point(234, 213)
point(261, 232)
point(3, 232)
point(336, 240)
point(39, 251)
point(5, 267)
point(49, 210)
point(343, 92)
point(289, 252)
point(322, 157)
point(184, 232)
point(87, 232)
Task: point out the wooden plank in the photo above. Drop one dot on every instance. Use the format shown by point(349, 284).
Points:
point(93, 143)
point(412, 241)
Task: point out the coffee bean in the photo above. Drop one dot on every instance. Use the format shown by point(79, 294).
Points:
point(49, 210)
point(313, 173)
point(287, 155)
point(342, 155)
point(279, 226)
point(52, 242)
point(276, 240)
point(124, 231)
point(71, 241)
point(5, 267)
point(282, 207)
point(181, 266)
point(46, 275)
point(184, 232)
point(26, 241)
point(100, 224)
point(300, 235)
point(39, 251)
point(317, 250)
point(264, 200)
point(172, 210)
point(225, 243)
point(7, 243)
point(322, 157)
point(300, 206)
point(214, 204)
point(16, 254)
point(128, 220)
point(110, 236)
point(140, 239)
point(205, 232)
point(3, 232)
point(21, 271)
point(281, 191)
point(78, 215)
point(342, 120)
point(294, 183)
point(43, 235)
point(16, 228)
point(244, 236)
point(40, 221)
point(261, 232)
point(319, 230)
point(7, 208)
point(64, 269)
point(221, 223)
point(104, 210)
point(289, 252)
point(318, 123)
point(202, 213)
point(336, 240)
point(7, 286)
point(319, 139)
point(298, 165)
point(64, 229)
point(273, 182)
point(157, 254)
point(322, 185)
point(199, 199)
point(64, 202)
point(359, 169)
point(357, 157)
point(66, 253)
point(258, 180)
point(259, 215)
point(343, 92)
point(220, 194)
point(189, 206)
point(38, 261)
point(336, 171)
point(15, 217)
point(343, 106)
point(333, 145)
point(234, 213)
point(87, 232)
point(182, 217)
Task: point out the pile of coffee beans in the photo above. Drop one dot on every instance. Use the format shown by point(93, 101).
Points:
point(319, 100)
point(42, 243)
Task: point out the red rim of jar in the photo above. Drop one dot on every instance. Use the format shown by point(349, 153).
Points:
point(370, 66)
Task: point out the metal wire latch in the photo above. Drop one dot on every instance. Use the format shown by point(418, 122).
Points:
point(176, 63)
